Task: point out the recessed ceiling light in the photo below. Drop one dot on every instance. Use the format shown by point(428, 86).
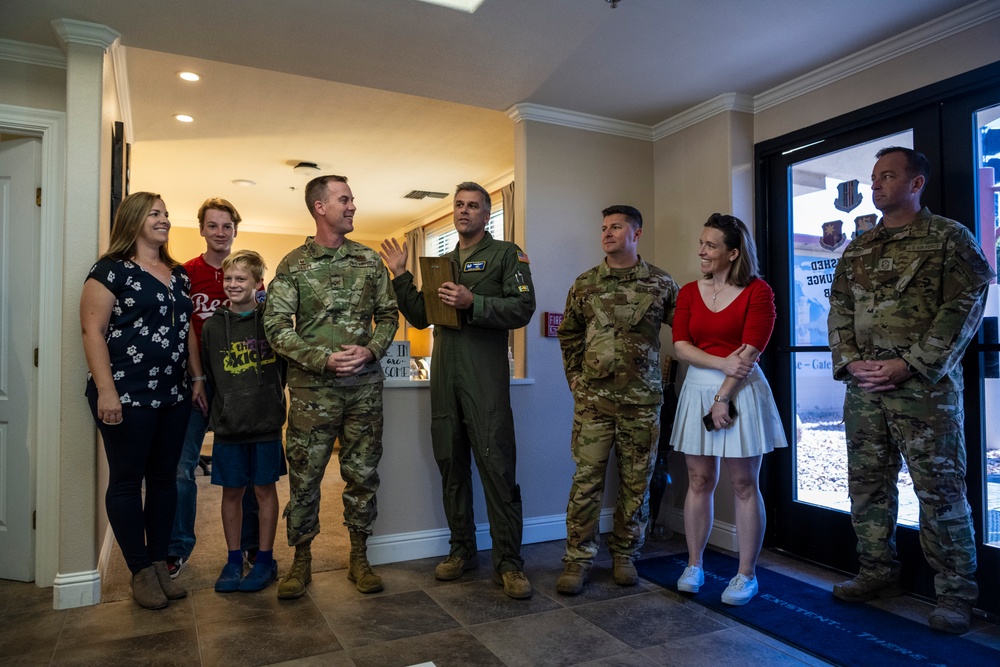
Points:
point(461, 5)
point(188, 76)
point(184, 118)
point(244, 182)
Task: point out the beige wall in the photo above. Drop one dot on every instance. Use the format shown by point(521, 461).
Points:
point(186, 242)
point(32, 86)
point(940, 60)
point(565, 177)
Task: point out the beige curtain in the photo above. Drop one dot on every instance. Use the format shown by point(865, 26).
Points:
point(414, 249)
point(507, 194)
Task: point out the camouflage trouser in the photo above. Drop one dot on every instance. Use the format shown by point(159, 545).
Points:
point(634, 431)
point(926, 426)
point(317, 417)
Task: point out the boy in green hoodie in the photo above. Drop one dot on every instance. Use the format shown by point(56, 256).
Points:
point(247, 414)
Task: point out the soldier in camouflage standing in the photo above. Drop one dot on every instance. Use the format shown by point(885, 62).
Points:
point(610, 338)
point(335, 289)
point(907, 297)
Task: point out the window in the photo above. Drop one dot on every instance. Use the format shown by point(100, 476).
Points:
point(442, 239)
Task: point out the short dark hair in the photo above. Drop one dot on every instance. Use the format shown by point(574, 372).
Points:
point(316, 189)
point(469, 186)
point(917, 163)
point(630, 212)
point(736, 236)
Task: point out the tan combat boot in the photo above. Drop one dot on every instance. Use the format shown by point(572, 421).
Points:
point(623, 570)
point(359, 570)
point(573, 578)
point(293, 585)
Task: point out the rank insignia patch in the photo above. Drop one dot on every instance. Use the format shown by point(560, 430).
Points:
point(474, 266)
point(521, 257)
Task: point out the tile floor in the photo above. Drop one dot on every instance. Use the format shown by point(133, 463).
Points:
point(416, 620)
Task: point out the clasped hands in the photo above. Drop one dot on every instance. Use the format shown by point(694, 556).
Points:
point(350, 360)
point(876, 376)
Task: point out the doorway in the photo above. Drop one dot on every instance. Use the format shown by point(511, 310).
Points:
point(813, 198)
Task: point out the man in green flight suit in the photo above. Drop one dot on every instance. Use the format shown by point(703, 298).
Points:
point(907, 297)
point(321, 306)
point(470, 385)
point(610, 338)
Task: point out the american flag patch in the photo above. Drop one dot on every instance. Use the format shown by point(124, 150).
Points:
point(521, 257)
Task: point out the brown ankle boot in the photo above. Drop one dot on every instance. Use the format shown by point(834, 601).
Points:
point(146, 589)
point(359, 570)
point(171, 588)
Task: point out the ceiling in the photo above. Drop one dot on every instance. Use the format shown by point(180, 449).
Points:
point(401, 95)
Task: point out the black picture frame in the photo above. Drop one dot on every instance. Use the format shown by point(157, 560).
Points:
point(119, 182)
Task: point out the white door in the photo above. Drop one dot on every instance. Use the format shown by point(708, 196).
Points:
point(20, 220)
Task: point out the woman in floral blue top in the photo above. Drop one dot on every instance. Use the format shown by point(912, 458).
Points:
point(135, 312)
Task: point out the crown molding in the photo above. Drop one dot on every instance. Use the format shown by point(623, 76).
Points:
point(81, 32)
point(32, 54)
point(721, 103)
point(581, 121)
point(120, 68)
point(894, 47)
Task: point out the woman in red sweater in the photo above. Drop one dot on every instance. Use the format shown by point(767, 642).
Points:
point(725, 409)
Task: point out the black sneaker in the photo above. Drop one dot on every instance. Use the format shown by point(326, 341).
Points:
point(175, 564)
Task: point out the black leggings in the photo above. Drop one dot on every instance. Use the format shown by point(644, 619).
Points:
point(146, 445)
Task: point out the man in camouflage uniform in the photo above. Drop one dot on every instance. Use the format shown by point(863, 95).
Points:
point(470, 386)
point(610, 337)
point(906, 299)
point(333, 288)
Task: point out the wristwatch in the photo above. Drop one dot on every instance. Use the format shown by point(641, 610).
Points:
point(911, 368)
point(719, 399)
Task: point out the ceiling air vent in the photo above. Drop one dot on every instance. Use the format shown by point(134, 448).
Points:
point(422, 194)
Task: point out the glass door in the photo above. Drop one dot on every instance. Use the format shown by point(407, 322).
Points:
point(813, 197)
point(819, 199)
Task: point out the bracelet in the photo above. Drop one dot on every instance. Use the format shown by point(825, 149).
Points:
point(719, 399)
point(200, 378)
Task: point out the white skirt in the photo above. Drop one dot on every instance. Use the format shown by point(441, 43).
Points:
point(756, 430)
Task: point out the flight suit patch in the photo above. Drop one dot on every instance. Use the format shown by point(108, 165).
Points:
point(523, 288)
point(474, 266)
point(521, 257)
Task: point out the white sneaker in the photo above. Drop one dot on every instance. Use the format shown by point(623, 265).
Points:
point(692, 579)
point(740, 590)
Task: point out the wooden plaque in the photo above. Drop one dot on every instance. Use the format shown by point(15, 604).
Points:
point(435, 271)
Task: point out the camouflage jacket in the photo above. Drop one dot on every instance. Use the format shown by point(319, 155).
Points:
point(917, 294)
point(334, 295)
point(610, 333)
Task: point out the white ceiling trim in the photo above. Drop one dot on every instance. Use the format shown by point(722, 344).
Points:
point(32, 54)
point(719, 104)
point(81, 32)
point(121, 85)
point(581, 121)
point(928, 33)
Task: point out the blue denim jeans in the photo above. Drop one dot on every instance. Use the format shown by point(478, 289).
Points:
point(182, 538)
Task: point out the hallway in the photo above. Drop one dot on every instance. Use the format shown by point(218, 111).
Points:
point(416, 620)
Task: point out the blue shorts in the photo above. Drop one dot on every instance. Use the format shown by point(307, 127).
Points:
point(257, 463)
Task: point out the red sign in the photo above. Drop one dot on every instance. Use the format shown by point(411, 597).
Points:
point(552, 322)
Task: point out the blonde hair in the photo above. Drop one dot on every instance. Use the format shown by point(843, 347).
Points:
point(129, 219)
point(249, 260)
point(218, 204)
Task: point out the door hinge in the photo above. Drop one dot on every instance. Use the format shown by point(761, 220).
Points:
point(38, 196)
point(36, 357)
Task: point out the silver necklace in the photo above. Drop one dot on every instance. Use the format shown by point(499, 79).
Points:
point(715, 295)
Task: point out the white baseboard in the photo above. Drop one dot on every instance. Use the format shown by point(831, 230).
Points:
point(429, 543)
point(76, 589)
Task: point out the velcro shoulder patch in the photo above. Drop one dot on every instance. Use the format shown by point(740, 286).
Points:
point(522, 257)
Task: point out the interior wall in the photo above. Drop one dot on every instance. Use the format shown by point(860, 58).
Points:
point(186, 243)
point(33, 86)
point(565, 177)
point(962, 52)
point(703, 169)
